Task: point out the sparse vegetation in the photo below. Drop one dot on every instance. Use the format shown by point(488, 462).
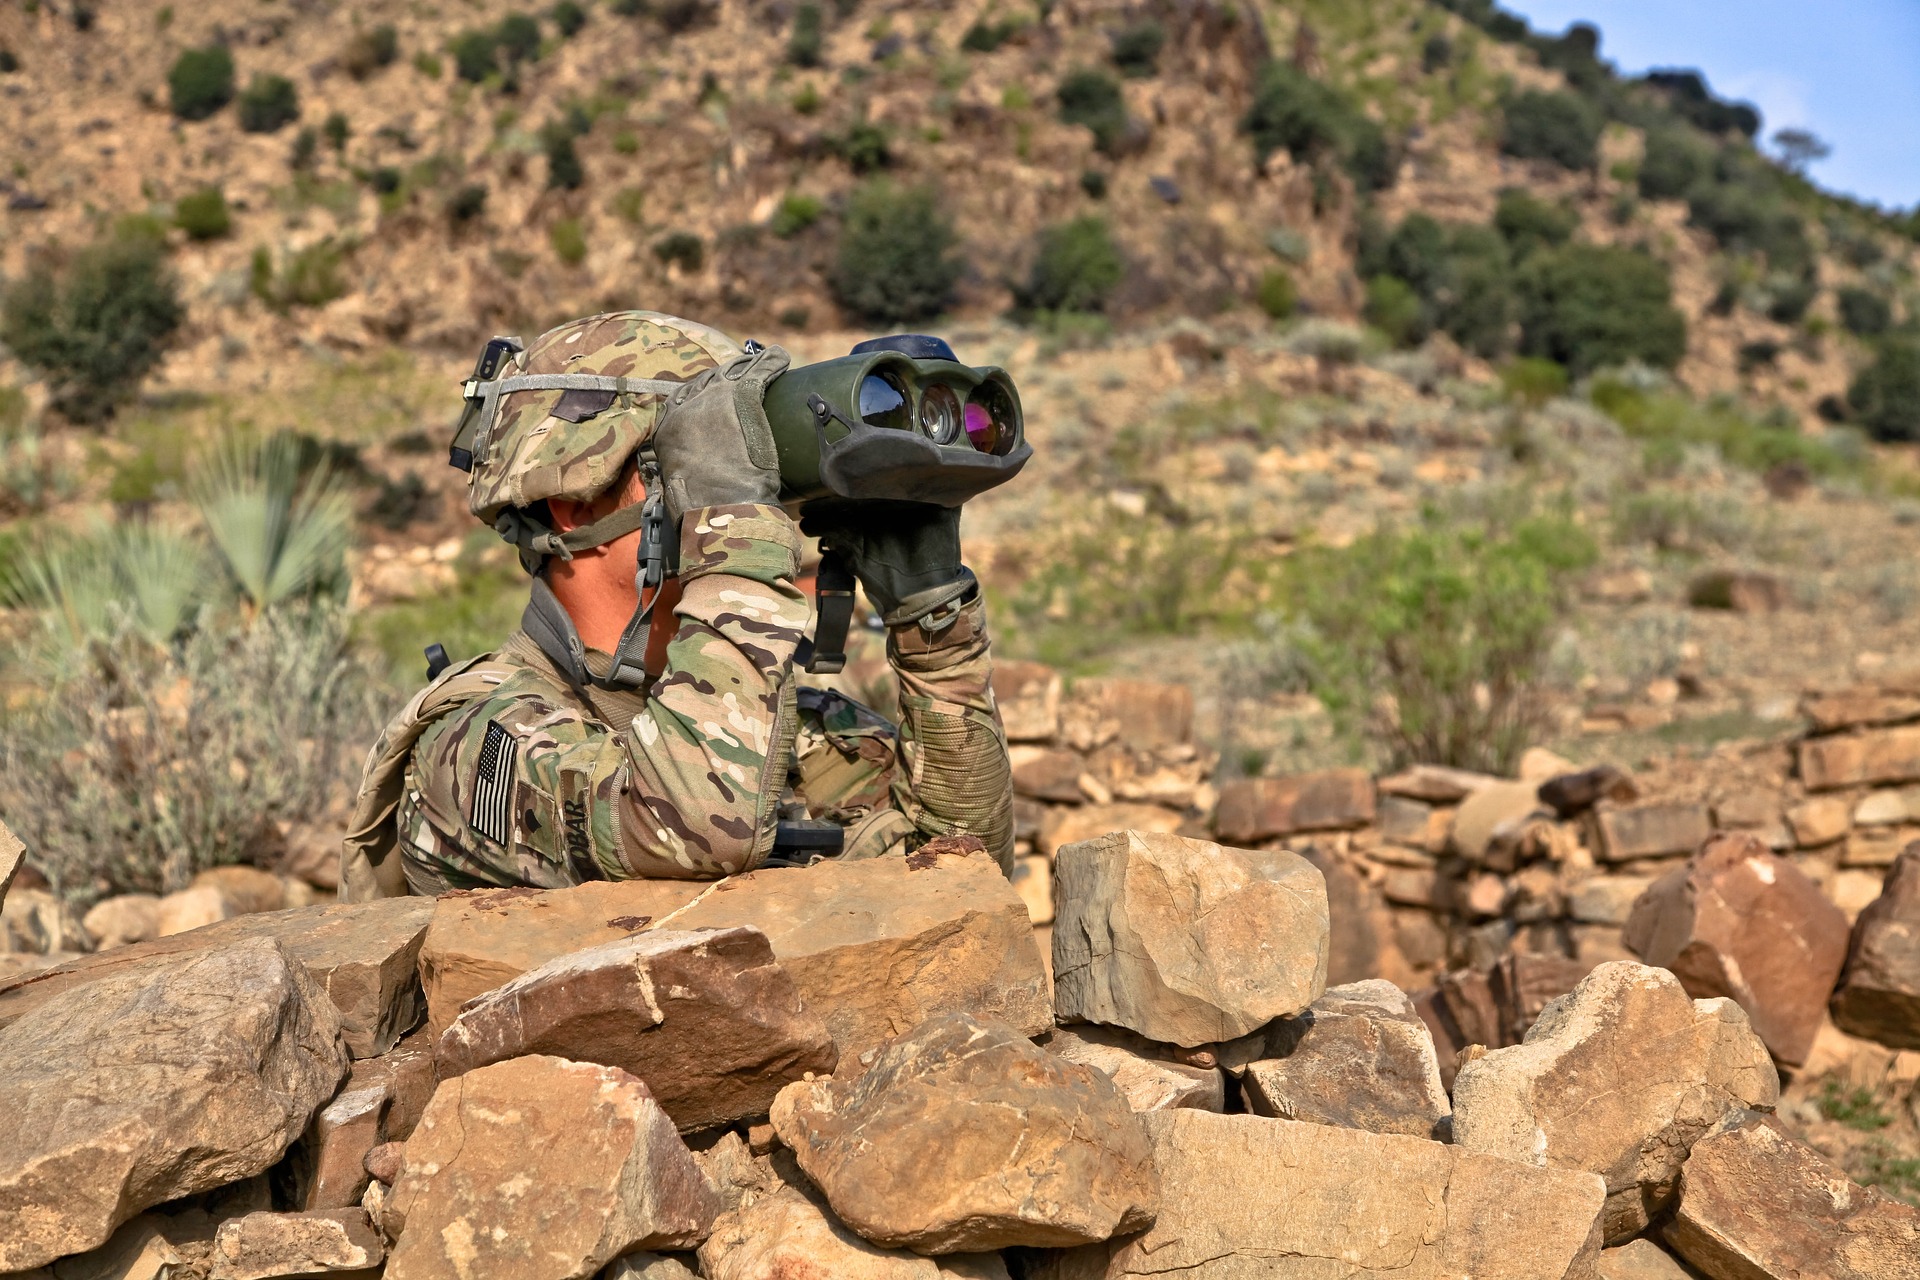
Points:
point(682, 249)
point(370, 51)
point(1136, 49)
point(896, 260)
point(1076, 266)
point(201, 82)
point(805, 39)
point(1295, 113)
point(1092, 98)
point(269, 104)
point(796, 213)
point(1885, 396)
point(203, 214)
point(569, 241)
point(1591, 306)
point(309, 277)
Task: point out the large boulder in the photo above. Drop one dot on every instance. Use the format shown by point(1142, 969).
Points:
point(1879, 994)
point(1186, 941)
point(875, 947)
point(363, 955)
point(1756, 1205)
point(708, 1019)
point(787, 1236)
point(1618, 1078)
point(1640, 1260)
point(1358, 1057)
point(263, 1246)
point(1150, 1076)
point(160, 1083)
point(542, 1169)
point(1739, 921)
point(121, 919)
point(1031, 1149)
point(1248, 1198)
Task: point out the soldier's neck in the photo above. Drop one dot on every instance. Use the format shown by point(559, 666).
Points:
point(600, 603)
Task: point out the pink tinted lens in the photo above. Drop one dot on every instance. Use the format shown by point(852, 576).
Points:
point(980, 427)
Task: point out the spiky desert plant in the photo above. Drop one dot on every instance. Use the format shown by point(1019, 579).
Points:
point(281, 532)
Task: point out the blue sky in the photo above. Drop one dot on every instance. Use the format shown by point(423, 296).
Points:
point(1849, 70)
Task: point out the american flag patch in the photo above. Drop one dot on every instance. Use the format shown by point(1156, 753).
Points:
point(492, 814)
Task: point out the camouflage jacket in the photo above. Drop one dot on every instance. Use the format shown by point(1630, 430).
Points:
point(537, 782)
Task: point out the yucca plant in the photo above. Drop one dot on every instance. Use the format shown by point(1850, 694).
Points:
point(139, 578)
point(281, 533)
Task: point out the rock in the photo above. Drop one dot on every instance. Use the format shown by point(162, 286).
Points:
point(1618, 1078)
point(1253, 809)
point(139, 1250)
point(1034, 1150)
point(1148, 714)
point(1854, 890)
point(544, 1169)
point(1855, 708)
point(875, 947)
point(1869, 757)
point(1033, 881)
point(708, 1018)
point(1742, 922)
point(786, 1236)
point(128, 917)
point(1741, 592)
point(1880, 809)
point(1249, 1198)
point(1487, 810)
point(1606, 899)
point(161, 1083)
point(1149, 1075)
point(1639, 1260)
point(194, 909)
point(1655, 830)
point(1819, 821)
point(1360, 934)
point(1045, 774)
point(1435, 784)
point(362, 954)
point(249, 889)
point(1749, 808)
point(1539, 765)
point(333, 1167)
point(1358, 1057)
point(1460, 1013)
point(262, 1246)
point(1875, 846)
point(1523, 984)
point(13, 856)
point(647, 1266)
point(1756, 1205)
point(1185, 941)
point(1572, 794)
point(1089, 822)
point(385, 1161)
point(1029, 698)
point(1879, 994)
point(1413, 823)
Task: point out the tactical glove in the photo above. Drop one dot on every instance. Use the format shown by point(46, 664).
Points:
point(713, 442)
point(906, 554)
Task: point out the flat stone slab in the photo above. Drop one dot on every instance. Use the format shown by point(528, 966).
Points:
point(1879, 994)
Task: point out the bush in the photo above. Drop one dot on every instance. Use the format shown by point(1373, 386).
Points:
point(1673, 162)
point(1094, 183)
point(1451, 622)
point(1475, 305)
point(310, 277)
point(1529, 223)
point(569, 241)
point(1395, 309)
point(269, 103)
point(864, 147)
point(984, 36)
point(203, 214)
point(1437, 53)
point(369, 51)
point(1534, 381)
point(1292, 111)
point(200, 82)
point(337, 131)
point(1788, 299)
point(1590, 306)
point(1136, 49)
point(1092, 98)
point(476, 55)
point(1885, 396)
point(1076, 266)
point(94, 328)
point(518, 38)
point(1276, 294)
point(895, 261)
point(681, 248)
point(796, 213)
point(569, 17)
point(1552, 126)
point(804, 41)
point(1864, 312)
point(467, 203)
point(563, 161)
point(1744, 217)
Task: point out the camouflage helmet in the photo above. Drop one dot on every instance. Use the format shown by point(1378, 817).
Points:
point(565, 416)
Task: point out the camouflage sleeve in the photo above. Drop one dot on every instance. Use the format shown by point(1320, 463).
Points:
point(954, 776)
point(708, 753)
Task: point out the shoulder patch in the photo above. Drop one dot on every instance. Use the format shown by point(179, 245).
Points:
point(492, 814)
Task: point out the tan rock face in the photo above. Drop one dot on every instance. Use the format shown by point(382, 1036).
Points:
point(13, 856)
point(1756, 1205)
point(1869, 757)
point(127, 917)
point(1820, 820)
point(158, 1084)
point(1654, 830)
point(1142, 714)
point(362, 955)
point(1740, 922)
point(1248, 1198)
point(1879, 994)
point(249, 889)
point(332, 1163)
point(1619, 1078)
point(1029, 697)
point(875, 947)
point(647, 1266)
point(1358, 1057)
point(1260, 808)
point(786, 1236)
point(1149, 1075)
point(1639, 1260)
point(544, 1169)
point(1186, 941)
point(137, 1251)
point(1435, 784)
point(35, 921)
point(1032, 1149)
point(262, 1246)
point(1089, 822)
point(1489, 809)
point(709, 1019)
point(1050, 775)
point(195, 908)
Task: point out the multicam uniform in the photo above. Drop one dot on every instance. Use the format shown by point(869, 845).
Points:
point(506, 771)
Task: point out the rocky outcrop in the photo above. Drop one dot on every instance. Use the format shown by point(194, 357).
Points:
point(1879, 993)
point(1149, 1075)
point(786, 1236)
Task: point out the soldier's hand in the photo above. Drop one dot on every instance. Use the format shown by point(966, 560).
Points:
point(905, 554)
point(713, 441)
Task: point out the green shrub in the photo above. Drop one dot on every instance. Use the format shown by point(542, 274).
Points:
point(269, 103)
point(1437, 53)
point(569, 241)
point(200, 82)
point(476, 55)
point(94, 327)
point(1788, 299)
point(1136, 49)
point(1475, 304)
point(1434, 640)
point(203, 214)
point(337, 131)
point(1552, 126)
point(1529, 223)
point(1674, 161)
point(984, 36)
point(518, 38)
point(427, 64)
point(563, 160)
point(895, 262)
point(796, 213)
point(1533, 381)
point(1276, 294)
point(1885, 396)
point(467, 203)
point(681, 248)
point(1590, 306)
point(1745, 215)
point(1076, 266)
point(1671, 424)
point(310, 277)
point(864, 147)
point(568, 17)
point(1292, 111)
point(1094, 183)
point(368, 51)
point(805, 39)
point(1395, 309)
point(1092, 98)
point(1863, 311)
point(306, 149)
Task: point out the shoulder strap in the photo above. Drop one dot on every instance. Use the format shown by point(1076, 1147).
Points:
point(368, 868)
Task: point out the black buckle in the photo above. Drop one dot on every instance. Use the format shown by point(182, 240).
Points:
point(825, 651)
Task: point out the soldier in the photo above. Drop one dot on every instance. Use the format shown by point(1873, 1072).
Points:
point(560, 758)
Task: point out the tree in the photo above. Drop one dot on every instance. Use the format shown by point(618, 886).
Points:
point(1590, 306)
point(1075, 268)
point(1798, 149)
point(1885, 397)
point(896, 261)
point(201, 82)
point(1552, 126)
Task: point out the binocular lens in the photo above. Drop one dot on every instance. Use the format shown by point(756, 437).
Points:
point(940, 415)
point(884, 403)
point(990, 419)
